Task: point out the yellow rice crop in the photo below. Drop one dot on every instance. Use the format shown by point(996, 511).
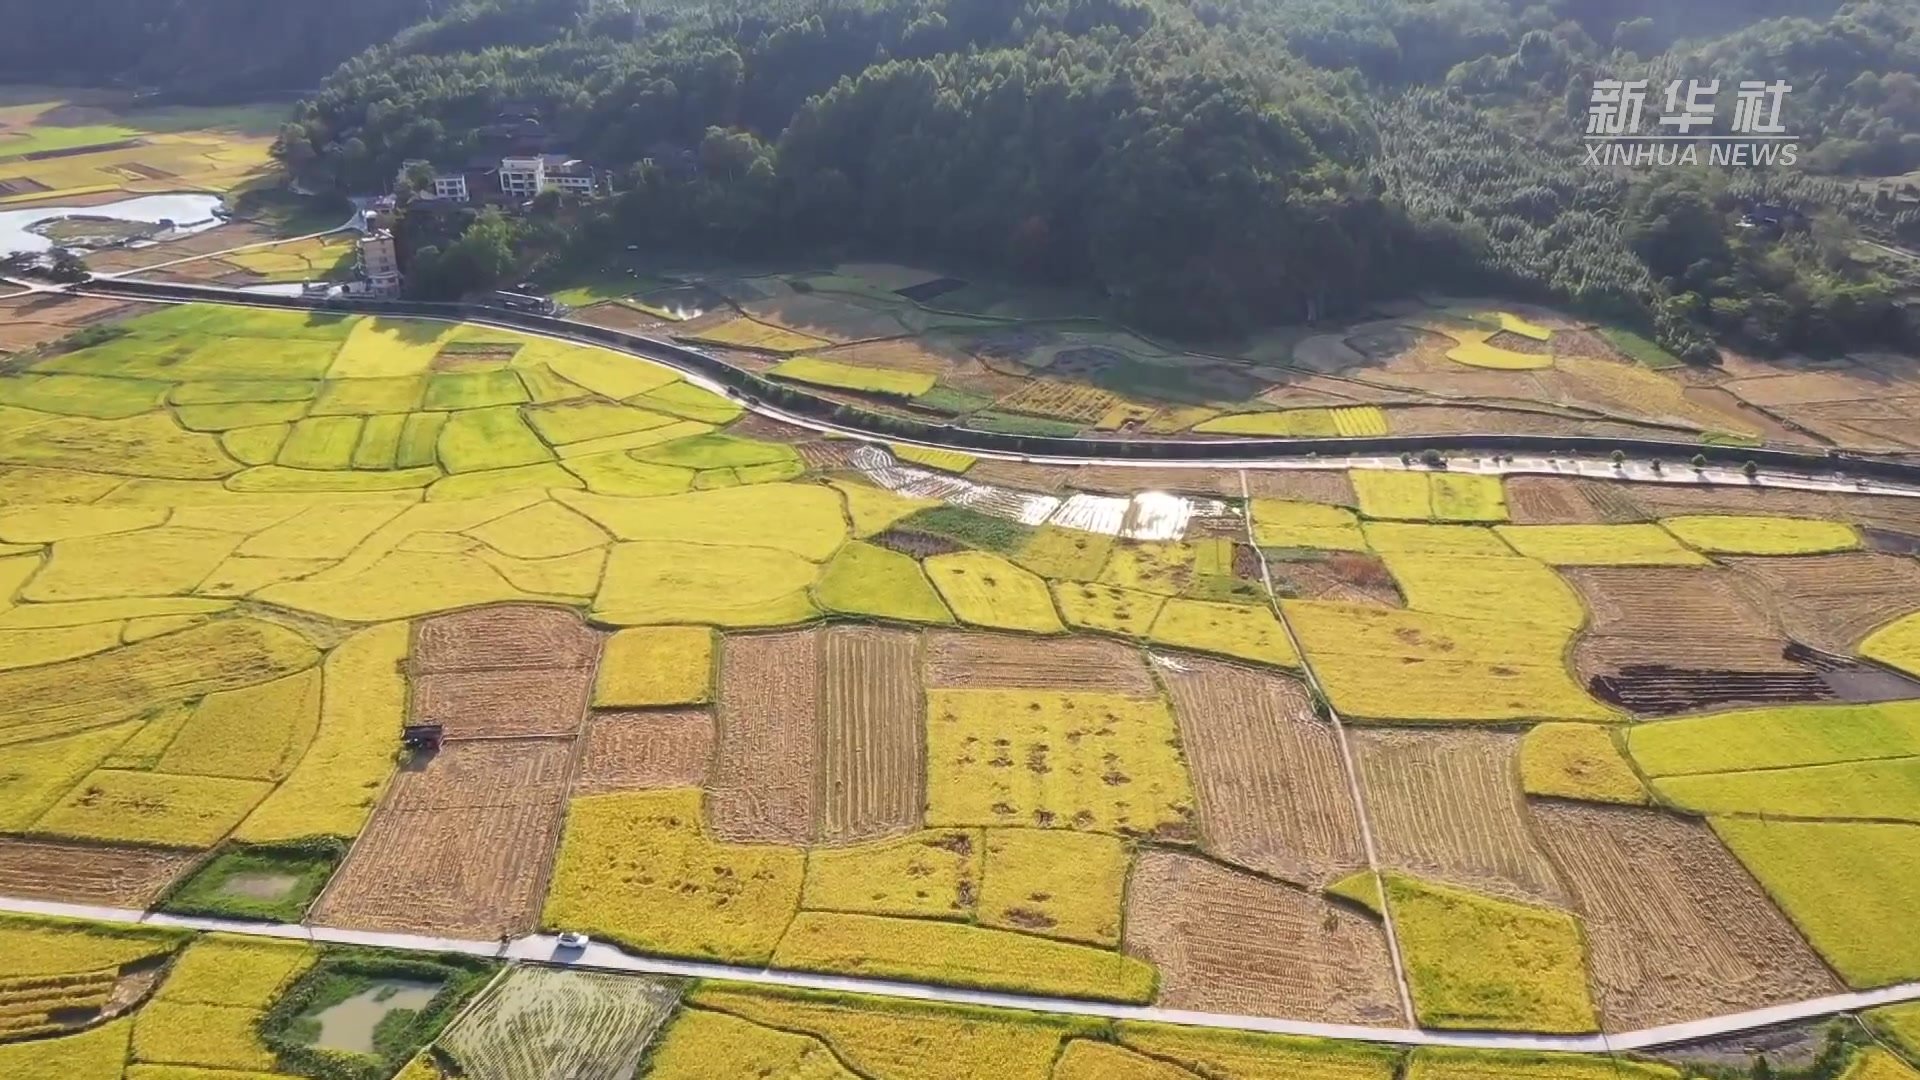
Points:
point(333, 788)
point(638, 868)
point(658, 665)
point(1578, 761)
point(1084, 760)
point(961, 955)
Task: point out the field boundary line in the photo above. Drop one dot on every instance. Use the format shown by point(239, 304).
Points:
point(1354, 791)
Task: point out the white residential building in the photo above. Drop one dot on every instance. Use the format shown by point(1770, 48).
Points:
point(569, 174)
point(450, 186)
point(523, 177)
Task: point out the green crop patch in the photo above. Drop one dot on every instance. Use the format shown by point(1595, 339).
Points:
point(82, 395)
point(365, 397)
point(1881, 790)
point(477, 439)
point(321, 443)
point(1851, 888)
point(715, 450)
point(452, 390)
point(1727, 535)
point(270, 882)
point(866, 580)
point(986, 590)
point(1775, 738)
point(969, 527)
point(1476, 962)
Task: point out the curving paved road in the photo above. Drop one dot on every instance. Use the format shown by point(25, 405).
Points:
point(545, 949)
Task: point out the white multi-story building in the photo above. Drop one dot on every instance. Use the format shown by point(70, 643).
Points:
point(523, 177)
point(380, 262)
point(569, 174)
point(450, 186)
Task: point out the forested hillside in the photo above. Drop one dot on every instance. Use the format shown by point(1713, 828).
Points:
point(1209, 165)
point(194, 50)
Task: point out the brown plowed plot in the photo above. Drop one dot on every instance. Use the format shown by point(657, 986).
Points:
point(1123, 480)
point(1676, 929)
point(959, 660)
point(1347, 576)
point(639, 751)
point(821, 454)
point(1883, 422)
point(89, 873)
point(1883, 511)
point(35, 319)
point(1021, 475)
point(872, 749)
point(503, 704)
point(1273, 795)
point(1329, 486)
point(618, 316)
point(1225, 941)
point(1555, 500)
point(220, 238)
point(1446, 805)
point(509, 636)
point(460, 845)
point(1672, 639)
point(760, 789)
point(1833, 601)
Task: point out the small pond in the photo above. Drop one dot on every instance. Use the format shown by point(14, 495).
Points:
point(349, 1024)
point(260, 885)
point(190, 213)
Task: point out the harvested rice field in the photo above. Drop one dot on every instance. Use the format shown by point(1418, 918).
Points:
point(761, 787)
point(1226, 941)
point(1269, 786)
point(489, 811)
point(1447, 807)
point(1676, 928)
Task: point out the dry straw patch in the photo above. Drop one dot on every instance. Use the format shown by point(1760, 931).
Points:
point(872, 768)
point(1266, 771)
point(1225, 941)
point(1676, 929)
point(490, 810)
point(761, 788)
point(1445, 806)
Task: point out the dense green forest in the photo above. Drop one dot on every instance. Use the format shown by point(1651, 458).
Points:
point(1208, 165)
point(194, 50)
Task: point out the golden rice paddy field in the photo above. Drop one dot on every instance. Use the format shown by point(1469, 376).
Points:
point(708, 690)
point(980, 355)
point(70, 146)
